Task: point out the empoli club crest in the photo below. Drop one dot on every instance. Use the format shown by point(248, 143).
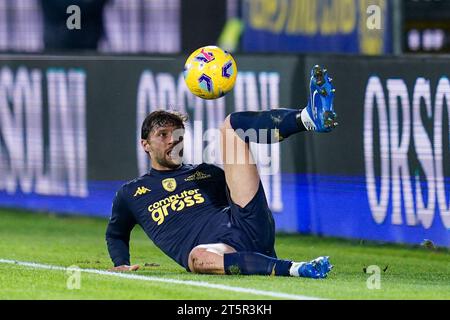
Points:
point(169, 184)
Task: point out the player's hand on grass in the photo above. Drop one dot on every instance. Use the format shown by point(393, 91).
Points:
point(133, 267)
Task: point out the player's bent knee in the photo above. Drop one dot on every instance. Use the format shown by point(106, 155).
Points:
point(208, 259)
point(199, 260)
point(194, 256)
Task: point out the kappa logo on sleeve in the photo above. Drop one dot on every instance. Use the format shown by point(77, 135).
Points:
point(141, 191)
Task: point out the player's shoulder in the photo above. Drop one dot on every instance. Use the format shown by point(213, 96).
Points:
point(128, 188)
point(206, 166)
point(203, 171)
point(210, 168)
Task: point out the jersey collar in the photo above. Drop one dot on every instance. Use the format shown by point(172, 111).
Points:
point(155, 172)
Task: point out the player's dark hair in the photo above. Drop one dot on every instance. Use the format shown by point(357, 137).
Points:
point(162, 118)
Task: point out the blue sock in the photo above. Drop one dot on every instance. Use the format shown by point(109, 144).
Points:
point(253, 263)
point(279, 124)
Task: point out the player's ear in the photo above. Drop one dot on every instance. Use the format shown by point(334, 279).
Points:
point(145, 145)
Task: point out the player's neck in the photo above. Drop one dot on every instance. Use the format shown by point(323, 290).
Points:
point(158, 167)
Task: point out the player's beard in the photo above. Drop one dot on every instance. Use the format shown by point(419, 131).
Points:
point(171, 159)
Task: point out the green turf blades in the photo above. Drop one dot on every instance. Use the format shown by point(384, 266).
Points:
point(412, 273)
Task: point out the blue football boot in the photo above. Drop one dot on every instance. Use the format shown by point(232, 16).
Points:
point(319, 114)
point(316, 269)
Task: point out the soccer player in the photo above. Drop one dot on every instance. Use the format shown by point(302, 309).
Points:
point(207, 219)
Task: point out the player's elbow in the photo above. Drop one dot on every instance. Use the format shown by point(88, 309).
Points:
point(117, 241)
point(110, 237)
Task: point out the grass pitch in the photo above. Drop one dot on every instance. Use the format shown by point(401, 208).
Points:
point(412, 273)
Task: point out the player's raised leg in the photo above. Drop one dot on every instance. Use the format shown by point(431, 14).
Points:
point(271, 126)
point(241, 174)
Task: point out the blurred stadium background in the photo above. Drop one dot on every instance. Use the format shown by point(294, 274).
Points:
point(72, 101)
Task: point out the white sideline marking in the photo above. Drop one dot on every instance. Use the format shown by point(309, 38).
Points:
point(173, 281)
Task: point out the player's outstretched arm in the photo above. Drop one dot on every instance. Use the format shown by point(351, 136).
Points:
point(118, 235)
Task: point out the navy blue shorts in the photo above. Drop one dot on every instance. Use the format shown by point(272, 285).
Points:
point(252, 227)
